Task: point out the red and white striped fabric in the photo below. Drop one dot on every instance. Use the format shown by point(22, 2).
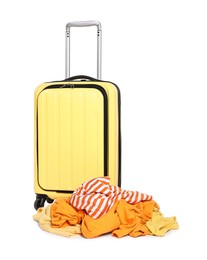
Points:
point(97, 196)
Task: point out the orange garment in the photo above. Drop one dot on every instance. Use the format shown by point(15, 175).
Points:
point(122, 219)
point(97, 196)
point(44, 220)
point(133, 218)
point(63, 214)
point(91, 227)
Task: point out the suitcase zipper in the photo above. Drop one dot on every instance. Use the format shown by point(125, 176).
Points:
point(67, 86)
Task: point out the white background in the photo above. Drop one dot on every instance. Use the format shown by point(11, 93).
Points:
point(156, 52)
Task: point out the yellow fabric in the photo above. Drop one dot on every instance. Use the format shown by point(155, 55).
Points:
point(43, 218)
point(133, 218)
point(63, 214)
point(91, 227)
point(159, 225)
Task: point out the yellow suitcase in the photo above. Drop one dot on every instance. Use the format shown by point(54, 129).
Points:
point(76, 130)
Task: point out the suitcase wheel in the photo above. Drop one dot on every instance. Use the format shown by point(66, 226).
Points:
point(49, 200)
point(40, 201)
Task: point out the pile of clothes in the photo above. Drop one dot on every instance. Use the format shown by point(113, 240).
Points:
point(98, 208)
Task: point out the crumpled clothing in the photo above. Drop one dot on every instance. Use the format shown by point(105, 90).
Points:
point(97, 196)
point(98, 208)
point(44, 219)
point(91, 227)
point(63, 214)
point(133, 218)
point(159, 225)
point(143, 218)
point(121, 220)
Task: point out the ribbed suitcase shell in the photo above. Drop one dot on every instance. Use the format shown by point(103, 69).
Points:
point(77, 135)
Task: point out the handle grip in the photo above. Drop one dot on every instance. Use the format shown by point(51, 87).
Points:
point(99, 44)
point(83, 24)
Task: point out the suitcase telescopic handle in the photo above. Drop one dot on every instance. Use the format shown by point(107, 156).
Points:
point(99, 43)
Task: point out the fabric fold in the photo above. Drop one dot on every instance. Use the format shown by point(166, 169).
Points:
point(159, 225)
point(133, 218)
point(91, 227)
point(63, 214)
point(97, 196)
point(44, 220)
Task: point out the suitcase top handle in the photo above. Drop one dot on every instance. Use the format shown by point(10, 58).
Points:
point(83, 24)
point(99, 42)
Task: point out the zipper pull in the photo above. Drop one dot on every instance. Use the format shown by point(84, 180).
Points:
point(67, 86)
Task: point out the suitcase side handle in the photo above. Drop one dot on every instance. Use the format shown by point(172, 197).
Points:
point(99, 44)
